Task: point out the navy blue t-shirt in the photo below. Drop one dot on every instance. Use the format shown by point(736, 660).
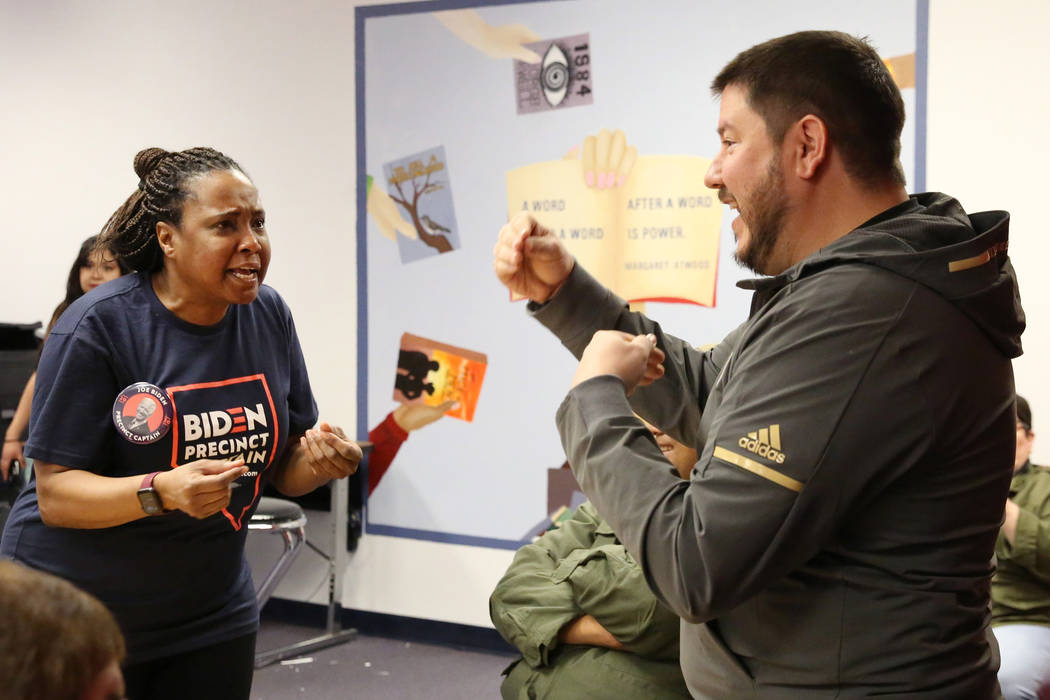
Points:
point(238, 388)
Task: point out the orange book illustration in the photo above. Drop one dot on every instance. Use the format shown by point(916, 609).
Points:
point(431, 372)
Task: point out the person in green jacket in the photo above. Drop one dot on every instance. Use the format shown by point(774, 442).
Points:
point(1021, 586)
point(576, 605)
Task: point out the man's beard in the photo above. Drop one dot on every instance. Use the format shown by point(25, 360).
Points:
point(767, 214)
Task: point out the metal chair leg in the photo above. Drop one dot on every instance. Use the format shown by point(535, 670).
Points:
point(293, 540)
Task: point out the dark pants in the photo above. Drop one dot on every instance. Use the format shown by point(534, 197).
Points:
point(222, 671)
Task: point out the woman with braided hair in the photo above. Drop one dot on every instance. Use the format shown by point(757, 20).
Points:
point(164, 399)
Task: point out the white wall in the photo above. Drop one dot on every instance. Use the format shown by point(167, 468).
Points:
point(989, 145)
point(86, 84)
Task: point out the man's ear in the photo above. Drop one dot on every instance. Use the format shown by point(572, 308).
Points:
point(165, 234)
point(809, 145)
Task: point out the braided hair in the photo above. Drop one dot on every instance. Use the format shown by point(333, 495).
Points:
point(131, 233)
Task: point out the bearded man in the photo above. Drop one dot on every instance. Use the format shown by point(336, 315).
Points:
point(855, 432)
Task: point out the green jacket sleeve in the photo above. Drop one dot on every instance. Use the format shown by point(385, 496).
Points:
point(529, 607)
point(608, 584)
point(1031, 547)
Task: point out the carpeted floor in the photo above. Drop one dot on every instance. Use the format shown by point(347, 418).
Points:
point(375, 668)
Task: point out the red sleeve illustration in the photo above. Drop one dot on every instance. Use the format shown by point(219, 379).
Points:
point(386, 438)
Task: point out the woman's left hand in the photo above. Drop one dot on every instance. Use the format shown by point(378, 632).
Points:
point(329, 452)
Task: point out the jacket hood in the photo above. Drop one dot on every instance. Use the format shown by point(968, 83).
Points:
point(932, 240)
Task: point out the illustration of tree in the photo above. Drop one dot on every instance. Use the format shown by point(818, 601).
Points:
point(423, 181)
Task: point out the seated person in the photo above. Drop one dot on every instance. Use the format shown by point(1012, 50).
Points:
point(56, 641)
point(577, 607)
point(1021, 585)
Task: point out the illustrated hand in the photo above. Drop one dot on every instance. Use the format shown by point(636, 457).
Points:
point(496, 42)
point(12, 451)
point(530, 260)
point(607, 161)
point(634, 359)
point(413, 416)
point(386, 215)
point(200, 488)
point(902, 70)
point(330, 453)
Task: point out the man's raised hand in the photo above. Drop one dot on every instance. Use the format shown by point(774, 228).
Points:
point(530, 260)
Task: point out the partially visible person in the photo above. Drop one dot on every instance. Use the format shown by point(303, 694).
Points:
point(154, 524)
point(1021, 585)
point(56, 641)
point(92, 268)
point(576, 605)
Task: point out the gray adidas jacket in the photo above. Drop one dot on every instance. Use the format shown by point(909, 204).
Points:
point(856, 437)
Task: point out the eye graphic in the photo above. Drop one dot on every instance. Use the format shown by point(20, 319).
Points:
point(554, 75)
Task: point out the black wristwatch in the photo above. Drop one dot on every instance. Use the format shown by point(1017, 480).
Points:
point(148, 496)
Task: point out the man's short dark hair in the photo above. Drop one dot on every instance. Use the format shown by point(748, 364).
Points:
point(55, 639)
point(1024, 413)
point(836, 77)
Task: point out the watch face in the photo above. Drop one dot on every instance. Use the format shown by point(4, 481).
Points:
point(150, 502)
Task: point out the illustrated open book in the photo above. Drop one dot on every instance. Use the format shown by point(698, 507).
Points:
point(655, 238)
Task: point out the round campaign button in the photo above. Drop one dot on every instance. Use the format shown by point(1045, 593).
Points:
point(142, 413)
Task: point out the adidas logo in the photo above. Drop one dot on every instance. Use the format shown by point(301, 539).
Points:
point(764, 443)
